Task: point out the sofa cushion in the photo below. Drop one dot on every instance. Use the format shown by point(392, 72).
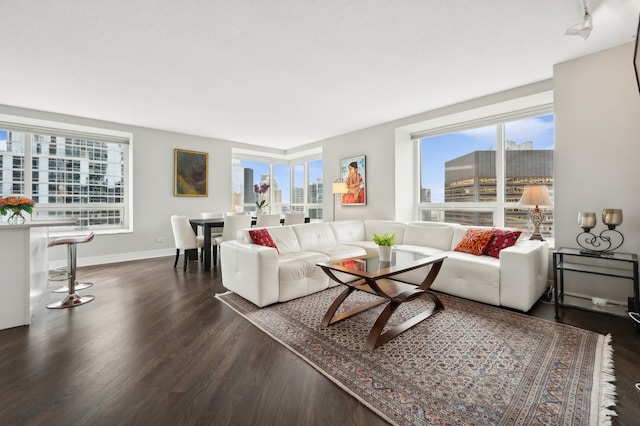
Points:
point(501, 239)
point(369, 246)
point(343, 251)
point(285, 238)
point(375, 226)
point(475, 241)
point(347, 231)
point(427, 251)
point(262, 237)
point(430, 234)
point(299, 274)
point(316, 236)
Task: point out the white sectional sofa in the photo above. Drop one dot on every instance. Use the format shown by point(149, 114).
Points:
point(265, 275)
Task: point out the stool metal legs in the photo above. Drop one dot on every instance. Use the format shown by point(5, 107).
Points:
point(72, 298)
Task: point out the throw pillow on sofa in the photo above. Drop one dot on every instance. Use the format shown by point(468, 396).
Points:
point(475, 241)
point(262, 237)
point(501, 239)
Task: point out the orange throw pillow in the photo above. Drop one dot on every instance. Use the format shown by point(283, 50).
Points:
point(475, 241)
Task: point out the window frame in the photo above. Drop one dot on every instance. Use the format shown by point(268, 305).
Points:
point(291, 160)
point(32, 126)
point(499, 207)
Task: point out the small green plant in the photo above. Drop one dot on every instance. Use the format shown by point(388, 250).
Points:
point(385, 240)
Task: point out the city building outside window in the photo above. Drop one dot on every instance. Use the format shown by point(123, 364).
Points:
point(68, 174)
point(295, 185)
point(476, 175)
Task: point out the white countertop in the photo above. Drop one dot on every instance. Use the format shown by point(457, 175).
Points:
point(39, 223)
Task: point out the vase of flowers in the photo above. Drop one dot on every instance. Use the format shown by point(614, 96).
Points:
point(15, 206)
point(261, 203)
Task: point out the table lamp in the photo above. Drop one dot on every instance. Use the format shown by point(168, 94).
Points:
point(535, 196)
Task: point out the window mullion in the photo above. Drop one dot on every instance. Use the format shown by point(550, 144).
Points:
point(498, 218)
point(28, 165)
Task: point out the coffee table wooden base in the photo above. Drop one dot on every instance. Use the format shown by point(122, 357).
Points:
point(390, 291)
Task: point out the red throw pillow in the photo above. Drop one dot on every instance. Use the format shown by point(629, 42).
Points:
point(475, 241)
point(262, 237)
point(501, 240)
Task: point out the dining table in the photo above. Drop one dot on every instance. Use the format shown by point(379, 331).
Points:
point(207, 225)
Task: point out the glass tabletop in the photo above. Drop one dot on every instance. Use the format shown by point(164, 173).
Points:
point(372, 265)
point(629, 257)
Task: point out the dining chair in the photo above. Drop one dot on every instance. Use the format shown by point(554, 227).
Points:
point(293, 218)
point(268, 220)
point(215, 232)
point(185, 238)
point(232, 224)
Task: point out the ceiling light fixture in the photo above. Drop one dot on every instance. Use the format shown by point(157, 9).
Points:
point(582, 29)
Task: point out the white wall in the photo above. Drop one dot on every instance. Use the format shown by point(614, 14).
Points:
point(597, 154)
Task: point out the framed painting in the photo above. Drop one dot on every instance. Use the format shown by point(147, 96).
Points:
point(636, 56)
point(353, 173)
point(190, 173)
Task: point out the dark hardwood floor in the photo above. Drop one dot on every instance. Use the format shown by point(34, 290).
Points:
point(155, 347)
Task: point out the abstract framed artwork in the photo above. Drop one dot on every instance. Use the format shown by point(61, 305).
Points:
point(353, 173)
point(190, 173)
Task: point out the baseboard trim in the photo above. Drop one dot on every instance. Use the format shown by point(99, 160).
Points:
point(115, 258)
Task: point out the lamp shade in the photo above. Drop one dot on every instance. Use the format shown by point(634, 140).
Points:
point(535, 196)
point(340, 188)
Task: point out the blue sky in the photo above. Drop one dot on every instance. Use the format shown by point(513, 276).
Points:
point(439, 149)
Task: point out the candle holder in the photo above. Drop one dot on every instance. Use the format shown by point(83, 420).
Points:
point(608, 240)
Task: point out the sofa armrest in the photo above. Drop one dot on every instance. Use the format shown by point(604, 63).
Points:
point(524, 272)
point(251, 271)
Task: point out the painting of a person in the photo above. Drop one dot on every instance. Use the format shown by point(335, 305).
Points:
point(355, 186)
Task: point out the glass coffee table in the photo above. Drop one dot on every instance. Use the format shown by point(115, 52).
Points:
point(369, 274)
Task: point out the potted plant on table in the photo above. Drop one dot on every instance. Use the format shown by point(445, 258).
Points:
point(385, 243)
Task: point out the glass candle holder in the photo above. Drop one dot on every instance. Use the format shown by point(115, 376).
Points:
point(612, 217)
point(586, 220)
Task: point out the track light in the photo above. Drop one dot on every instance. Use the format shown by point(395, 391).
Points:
point(582, 29)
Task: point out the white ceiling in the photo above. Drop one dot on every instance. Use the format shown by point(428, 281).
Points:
point(283, 73)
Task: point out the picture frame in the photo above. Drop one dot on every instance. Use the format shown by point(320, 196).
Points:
point(191, 173)
point(636, 56)
point(353, 173)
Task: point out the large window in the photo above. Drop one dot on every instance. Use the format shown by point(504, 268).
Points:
point(294, 184)
point(68, 173)
point(475, 174)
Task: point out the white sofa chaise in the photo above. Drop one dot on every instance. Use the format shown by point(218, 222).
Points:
point(266, 275)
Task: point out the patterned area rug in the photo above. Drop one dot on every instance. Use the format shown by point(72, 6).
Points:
point(469, 364)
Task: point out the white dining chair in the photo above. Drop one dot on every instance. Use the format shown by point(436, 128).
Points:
point(293, 218)
point(268, 220)
point(185, 238)
point(215, 232)
point(232, 224)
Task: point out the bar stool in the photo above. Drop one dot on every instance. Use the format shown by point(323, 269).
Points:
point(62, 274)
point(72, 298)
